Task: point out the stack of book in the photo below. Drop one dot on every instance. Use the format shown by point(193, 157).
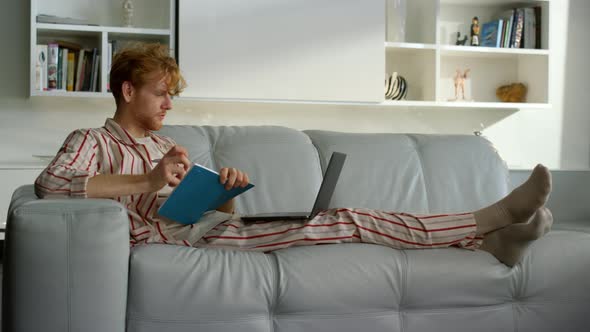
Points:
point(62, 65)
point(514, 28)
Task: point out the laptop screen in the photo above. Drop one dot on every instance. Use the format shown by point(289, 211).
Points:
point(322, 201)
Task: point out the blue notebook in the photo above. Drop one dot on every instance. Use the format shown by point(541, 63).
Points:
point(199, 192)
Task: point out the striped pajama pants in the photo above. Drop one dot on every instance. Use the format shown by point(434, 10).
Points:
point(395, 230)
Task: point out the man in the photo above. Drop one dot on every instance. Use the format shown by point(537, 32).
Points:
point(118, 161)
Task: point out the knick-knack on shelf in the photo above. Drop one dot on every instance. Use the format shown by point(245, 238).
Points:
point(128, 13)
point(512, 93)
point(459, 40)
point(475, 31)
point(459, 81)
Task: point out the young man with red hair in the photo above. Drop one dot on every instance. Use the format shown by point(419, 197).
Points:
point(118, 161)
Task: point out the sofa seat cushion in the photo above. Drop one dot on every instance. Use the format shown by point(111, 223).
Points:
point(353, 287)
point(173, 288)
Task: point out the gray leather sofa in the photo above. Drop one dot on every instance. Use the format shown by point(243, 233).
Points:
point(69, 267)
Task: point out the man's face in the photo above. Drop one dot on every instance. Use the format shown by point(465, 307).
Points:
point(151, 102)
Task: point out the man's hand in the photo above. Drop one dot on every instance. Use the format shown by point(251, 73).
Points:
point(170, 170)
point(233, 178)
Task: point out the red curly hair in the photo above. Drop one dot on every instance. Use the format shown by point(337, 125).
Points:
point(136, 64)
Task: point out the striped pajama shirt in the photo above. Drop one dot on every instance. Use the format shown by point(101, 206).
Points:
point(112, 150)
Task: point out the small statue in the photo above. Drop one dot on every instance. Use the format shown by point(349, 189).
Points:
point(459, 40)
point(128, 13)
point(475, 31)
point(460, 84)
point(512, 93)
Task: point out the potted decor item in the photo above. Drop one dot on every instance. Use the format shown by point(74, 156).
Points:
point(396, 87)
point(128, 13)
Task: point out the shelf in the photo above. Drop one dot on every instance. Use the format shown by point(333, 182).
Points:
point(464, 105)
point(95, 28)
point(478, 51)
point(489, 2)
point(157, 14)
point(63, 93)
point(416, 46)
point(467, 50)
point(387, 103)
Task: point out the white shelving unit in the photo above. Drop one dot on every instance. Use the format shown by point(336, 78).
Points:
point(428, 57)
point(154, 21)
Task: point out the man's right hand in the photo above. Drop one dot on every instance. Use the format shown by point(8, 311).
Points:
point(170, 170)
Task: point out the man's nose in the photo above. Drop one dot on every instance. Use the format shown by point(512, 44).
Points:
point(167, 102)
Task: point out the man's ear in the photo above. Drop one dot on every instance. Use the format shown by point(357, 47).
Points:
point(128, 91)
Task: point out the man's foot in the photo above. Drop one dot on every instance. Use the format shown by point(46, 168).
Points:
point(510, 243)
point(518, 206)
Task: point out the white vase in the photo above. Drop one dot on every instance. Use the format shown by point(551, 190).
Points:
point(396, 20)
point(128, 13)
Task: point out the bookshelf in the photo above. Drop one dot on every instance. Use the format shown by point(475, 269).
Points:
point(428, 56)
point(153, 21)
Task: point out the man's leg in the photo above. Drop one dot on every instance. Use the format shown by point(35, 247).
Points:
point(506, 227)
point(518, 206)
point(509, 244)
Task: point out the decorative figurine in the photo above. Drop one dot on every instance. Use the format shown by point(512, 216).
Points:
point(459, 40)
point(460, 84)
point(475, 31)
point(512, 93)
point(128, 13)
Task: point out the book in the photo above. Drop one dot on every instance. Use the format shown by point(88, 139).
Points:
point(198, 192)
point(91, 74)
point(518, 28)
point(109, 62)
point(538, 27)
point(52, 56)
point(71, 71)
point(87, 70)
point(64, 69)
point(41, 68)
point(95, 74)
point(79, 71)
point(491, 33)
point(507, 17)
point(44, 18)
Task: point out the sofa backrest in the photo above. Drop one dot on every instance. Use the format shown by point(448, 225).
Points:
point(397, 172)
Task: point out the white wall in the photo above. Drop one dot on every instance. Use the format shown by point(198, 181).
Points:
point(39, 125)
point(576, 103)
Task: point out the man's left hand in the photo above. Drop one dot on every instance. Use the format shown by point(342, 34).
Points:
point(233, 178)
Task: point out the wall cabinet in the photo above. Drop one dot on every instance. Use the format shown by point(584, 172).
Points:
point(297, 50)
point(428, 56)
point(153, 21)
point(315, 51)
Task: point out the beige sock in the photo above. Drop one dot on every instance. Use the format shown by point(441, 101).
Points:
point(510, 243)
point(518, 206)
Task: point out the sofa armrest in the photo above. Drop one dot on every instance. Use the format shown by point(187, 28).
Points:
point(66, 264)
point(570, 198)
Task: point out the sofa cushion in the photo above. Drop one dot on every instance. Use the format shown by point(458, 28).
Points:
point(281, 162)
point(353, 287)
point(414, 173)
point(174, 288)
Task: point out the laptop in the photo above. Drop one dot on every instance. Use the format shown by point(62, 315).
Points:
point(322, 200)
